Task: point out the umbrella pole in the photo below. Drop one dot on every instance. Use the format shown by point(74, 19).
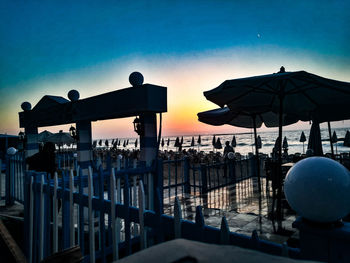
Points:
point(257, 164)
point(279, 180)
point(330, 138)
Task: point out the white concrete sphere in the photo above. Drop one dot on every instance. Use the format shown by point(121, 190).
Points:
point(136, 79)
point(120, 157)
point(318, 189)
point(231, 155)
point(26, 106)
point(11, 151)
point(73, 95)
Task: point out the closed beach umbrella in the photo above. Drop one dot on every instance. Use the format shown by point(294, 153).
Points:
point(233, 142)
point(106, 143)
point(112, 143)
point(213, 142)
point(218, 144)
point(119, 142)
point(124, 143)
point(136, 143)
point(177, 142)
point(285, 143)
point(192, 142)
point(303, 140)
point(168, 142)
point(334, 137)
point(335, 140)
point(199, 141)
point(259, 144)
point(115, 144)
point(94, 144)
point(347, 139)
point(315, 142)
point(127, 142)
point(163, 143)
point(182, 140)
point(100, 142)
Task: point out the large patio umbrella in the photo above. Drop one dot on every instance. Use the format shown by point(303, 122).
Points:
point(244, 119)
point(297, 93)
point(60, 138)
point(43, 135)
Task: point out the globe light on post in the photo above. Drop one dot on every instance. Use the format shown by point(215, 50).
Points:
point(26, 106)
point(73, 95)
point(136, 79)
point(318, 189)
point(11, 151)
point(231, 155)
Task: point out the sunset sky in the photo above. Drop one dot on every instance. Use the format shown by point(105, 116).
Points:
point(51, 47)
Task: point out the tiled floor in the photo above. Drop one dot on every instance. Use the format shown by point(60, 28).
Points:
point(242, 212)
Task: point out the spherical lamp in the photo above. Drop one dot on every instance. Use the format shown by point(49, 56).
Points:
point(318, 189)
point(11, 151)
point(26, 106)
point(136, 79)
point(231, 155)
point(73, 95)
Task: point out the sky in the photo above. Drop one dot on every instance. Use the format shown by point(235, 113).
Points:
point(51, 47)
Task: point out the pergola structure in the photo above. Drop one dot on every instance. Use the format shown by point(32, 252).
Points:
point(143, 100)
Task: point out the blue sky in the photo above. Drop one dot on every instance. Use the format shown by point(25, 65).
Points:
point(50, 47)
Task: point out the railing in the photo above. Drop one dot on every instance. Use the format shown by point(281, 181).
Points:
point(117, 224)
point(12, 181)
point(111, 209)
point(181, 177)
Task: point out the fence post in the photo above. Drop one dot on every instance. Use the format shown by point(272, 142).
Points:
point(232, 171)
point(158, 186)
point(9, 178)
point(142, 205)
point(204, 186)
point(109, 162)
point(28, 216)
point(91, 217)
point(101, 215)
point(177, 218)
point(187, 186)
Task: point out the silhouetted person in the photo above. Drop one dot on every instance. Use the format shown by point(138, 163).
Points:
point(228, 148)
point(44, 160)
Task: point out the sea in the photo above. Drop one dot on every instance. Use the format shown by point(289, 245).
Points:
point(245, 142)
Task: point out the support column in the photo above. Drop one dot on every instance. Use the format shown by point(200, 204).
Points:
point(148, 153)
point(32, 146)
point(84, 146)
point(148, 141)
point(324, 242)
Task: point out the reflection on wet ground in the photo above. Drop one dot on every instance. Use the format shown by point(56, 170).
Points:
point(240, 205)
